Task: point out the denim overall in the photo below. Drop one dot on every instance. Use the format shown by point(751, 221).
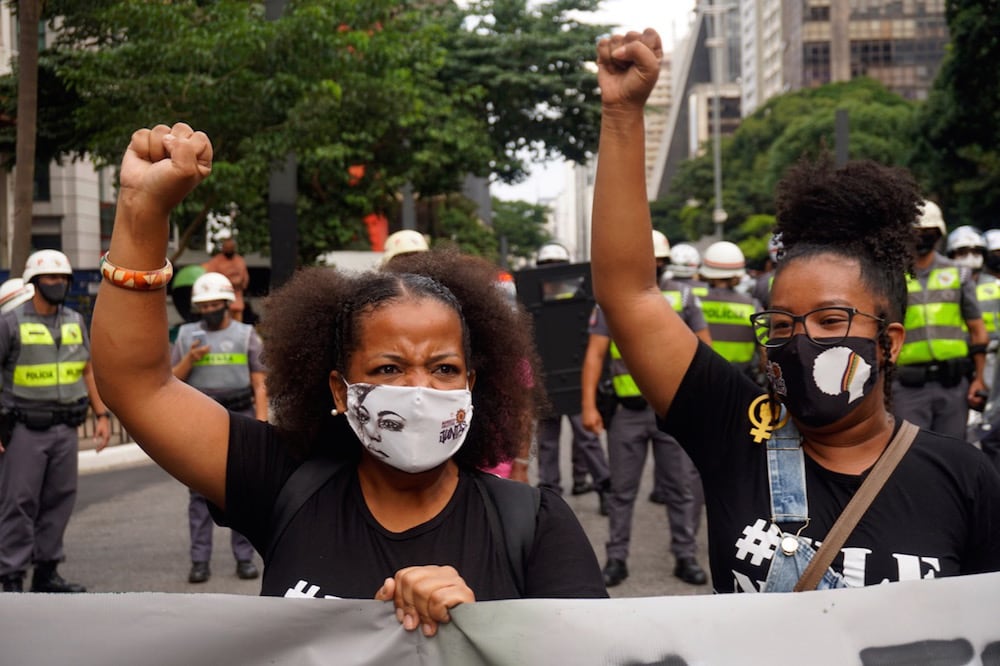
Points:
point(786, 474)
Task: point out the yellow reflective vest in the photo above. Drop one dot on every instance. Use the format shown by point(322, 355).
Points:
point(934, 325)
point(625, 386)
point(47, 370)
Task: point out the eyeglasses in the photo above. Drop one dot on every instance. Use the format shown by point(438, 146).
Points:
point(824, 326)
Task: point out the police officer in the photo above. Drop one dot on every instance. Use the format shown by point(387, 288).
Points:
point(932, 387)
point(762, 285)
point(14, 292)
point(988, 293)
point(726, 310)
point(47, 379)
point(587, 453)
point(222, 358)
point(967, 247)
point(685, 260)
point(632, 429)
point(403, 242)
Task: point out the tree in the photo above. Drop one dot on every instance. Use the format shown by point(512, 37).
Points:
point(540, 97)
point(338, 82)
point(957, 151)
point(29, 12)
point(785, 129)
point(523, 225)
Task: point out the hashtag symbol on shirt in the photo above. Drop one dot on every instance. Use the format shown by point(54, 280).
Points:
point(301, 592)
point(759, 542)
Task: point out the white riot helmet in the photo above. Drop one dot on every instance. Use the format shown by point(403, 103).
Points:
point(966, 247)
point(723, 260)
point(14, 292)
point(661, 246)
point(931, 218)
point(46, 262)
point(684, 260)
point(212, 287)
point(552, 253)
point(992, 238)
point(405, 241)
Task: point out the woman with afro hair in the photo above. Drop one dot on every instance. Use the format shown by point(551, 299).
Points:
point(398, 385)
point(780, 466)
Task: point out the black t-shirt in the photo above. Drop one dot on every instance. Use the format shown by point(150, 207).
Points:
point(938, 514)
point(334, 547)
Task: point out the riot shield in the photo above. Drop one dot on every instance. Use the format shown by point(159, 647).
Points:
point(559, 298)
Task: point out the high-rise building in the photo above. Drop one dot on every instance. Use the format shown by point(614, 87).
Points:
point(898, 42)
point(760, 52)
point(705, 67)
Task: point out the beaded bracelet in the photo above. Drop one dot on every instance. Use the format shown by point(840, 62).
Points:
point(138, 280)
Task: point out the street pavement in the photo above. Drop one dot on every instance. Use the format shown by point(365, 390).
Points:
point(129, 533)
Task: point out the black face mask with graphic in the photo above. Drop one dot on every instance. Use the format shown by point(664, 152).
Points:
point(214, 318)
point(821, 385)
point(56, 293)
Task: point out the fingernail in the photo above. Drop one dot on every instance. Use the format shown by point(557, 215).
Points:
point(618, 52)
point(428, 630)
point(399, 614)
point(409, 623)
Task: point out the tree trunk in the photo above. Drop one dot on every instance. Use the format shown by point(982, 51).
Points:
point(28, 12)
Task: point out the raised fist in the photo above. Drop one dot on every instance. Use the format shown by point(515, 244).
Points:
point(628, 66)
point(162, 165)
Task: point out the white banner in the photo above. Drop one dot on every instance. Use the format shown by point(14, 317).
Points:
point(941, 622)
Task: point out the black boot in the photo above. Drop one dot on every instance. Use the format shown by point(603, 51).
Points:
point(13, 582)
point(47, 579)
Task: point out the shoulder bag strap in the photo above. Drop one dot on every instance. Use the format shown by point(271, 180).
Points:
point(857, 506)
point(512, 512)
point(307, 478)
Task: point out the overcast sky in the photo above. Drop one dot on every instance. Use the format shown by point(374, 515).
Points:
point(669, 17)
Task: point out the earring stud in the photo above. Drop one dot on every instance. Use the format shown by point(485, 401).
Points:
point(334, 412)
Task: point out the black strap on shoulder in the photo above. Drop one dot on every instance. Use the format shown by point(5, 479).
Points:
point(304, 482)
point(512, 511)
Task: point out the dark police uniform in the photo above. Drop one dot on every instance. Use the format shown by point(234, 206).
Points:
point(43, 363)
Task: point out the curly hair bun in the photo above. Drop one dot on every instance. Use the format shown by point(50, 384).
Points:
point(861, 202)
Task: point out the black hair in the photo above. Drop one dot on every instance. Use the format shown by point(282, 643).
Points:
point(311, 326)
point(862, 211)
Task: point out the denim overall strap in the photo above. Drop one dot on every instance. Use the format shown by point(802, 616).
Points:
point(786, 475)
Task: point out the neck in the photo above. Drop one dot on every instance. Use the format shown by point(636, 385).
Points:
point(399, 500)
point(42, 306)
point(851, 449)
point(924, 261)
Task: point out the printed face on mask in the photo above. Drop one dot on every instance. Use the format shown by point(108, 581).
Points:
point(407, 389)
point(411, 428)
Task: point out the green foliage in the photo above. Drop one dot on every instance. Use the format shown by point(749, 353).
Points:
point(959, 127)
point(787, 128)
point(523, 225)
point(418, 93)
point(529, 62)
point(456, 224)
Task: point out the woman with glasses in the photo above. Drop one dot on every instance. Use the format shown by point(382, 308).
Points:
point(830, 335)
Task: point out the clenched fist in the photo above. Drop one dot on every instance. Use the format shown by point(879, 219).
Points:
point(162, 165)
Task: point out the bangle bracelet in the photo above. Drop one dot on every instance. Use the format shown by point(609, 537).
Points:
point(523, 461)
point(138, 280)
point(102, 415)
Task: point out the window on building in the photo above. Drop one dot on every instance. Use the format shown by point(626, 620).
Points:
point(43, 184)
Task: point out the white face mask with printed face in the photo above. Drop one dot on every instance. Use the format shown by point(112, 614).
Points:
point(411, 428)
